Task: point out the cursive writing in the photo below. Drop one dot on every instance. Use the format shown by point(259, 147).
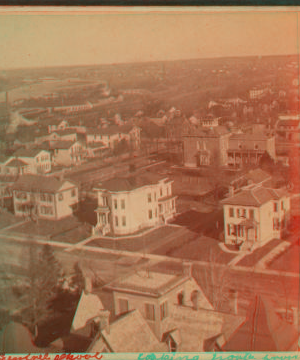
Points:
point(96, 356)
point(163, 356)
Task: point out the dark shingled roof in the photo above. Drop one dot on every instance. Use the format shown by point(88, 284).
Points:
point(27, 152)
point(130, 183)
point(59, 144)
point(255, 196)
point(38, 183)
point(16, 163)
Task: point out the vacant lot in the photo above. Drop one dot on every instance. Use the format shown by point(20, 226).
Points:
point(252, 259)
point(140, 243)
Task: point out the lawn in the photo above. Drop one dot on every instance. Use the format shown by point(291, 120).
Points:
point(68, 230)
point(198, 248)
point(140, 243)
point(258, 254)
point(7, 219)
point(287, 260)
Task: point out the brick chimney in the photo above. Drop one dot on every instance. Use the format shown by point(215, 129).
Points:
point(231, 190)
point(233, 301)
point(104, 320)
point(187, 268)
point(88, 285)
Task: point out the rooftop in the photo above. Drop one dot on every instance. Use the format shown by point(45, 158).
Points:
point(27, 152)
point(130, 333)
point(131, 182)
point(16, 163)
point(255, 196)
point(36, 183)
point(206, 132)
point(251, 137)
point(144, 282)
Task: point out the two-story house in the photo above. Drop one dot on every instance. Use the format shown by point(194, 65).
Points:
point(44, 197)
point(248, 149)
point(255, 215)
point(206, 146)
point(288, 127)
point(130, 204)
point(66, 152)
point(34, 161)
point(111, 136)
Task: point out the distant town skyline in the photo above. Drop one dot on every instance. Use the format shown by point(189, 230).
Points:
point(61, 38)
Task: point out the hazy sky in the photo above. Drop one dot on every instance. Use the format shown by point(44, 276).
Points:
point(46, 39)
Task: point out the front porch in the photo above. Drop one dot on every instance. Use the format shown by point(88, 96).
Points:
point(243, 235)
point(103, 226)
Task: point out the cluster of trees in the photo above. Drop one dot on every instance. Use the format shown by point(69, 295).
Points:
point(46, 283)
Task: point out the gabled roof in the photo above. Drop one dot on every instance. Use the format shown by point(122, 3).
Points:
point(255, 196)
point(130, 333)
point(31, 153)
point(272, 333)
point(16, 163)
point(131, 182)
point(88, 308)
point(36, 183)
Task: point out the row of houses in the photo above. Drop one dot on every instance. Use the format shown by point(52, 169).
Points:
point(66, 147)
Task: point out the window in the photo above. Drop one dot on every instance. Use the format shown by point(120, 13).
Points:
point(122, 204)
point(60, 197)
point(150, 214)
point(124, 220)
point(173, 204)
point(149, 198)
point(150, 312)
point(160, 209)
point(155, 212)
point(244, 213)
point(180, 298)
point(161, 192)
point(163, 310)
point(239, 212)
point(123, 306)
point(116, 221)
point(282, 205)
point(228, 229)
point(73, 192)
point(43, 197)
point(276, 224)
point(275, 207)
point(231, 212)
point(155, 196)
point(46, 210)
point(251, 214)
point(116, 204)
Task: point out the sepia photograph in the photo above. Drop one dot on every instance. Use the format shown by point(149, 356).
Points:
point(149, 181)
